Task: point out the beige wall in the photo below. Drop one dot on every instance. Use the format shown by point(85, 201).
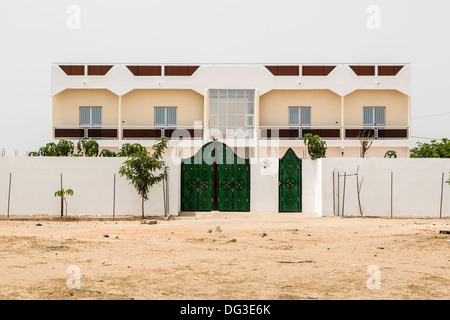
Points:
point(138, 106)
point(66, 106)
point(396, 104)
point(325, 107)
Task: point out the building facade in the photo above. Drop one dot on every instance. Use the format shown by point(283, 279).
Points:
point(258, 110)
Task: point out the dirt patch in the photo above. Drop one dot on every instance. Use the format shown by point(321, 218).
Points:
point(187, 258)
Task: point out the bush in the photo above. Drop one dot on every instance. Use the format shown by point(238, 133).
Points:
point(434, 149)
point(316, 147)
point(390, 154)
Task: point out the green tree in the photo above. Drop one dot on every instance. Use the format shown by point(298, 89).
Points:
point(107, 153)
point(390, 154)
point(144, 170)
point(434, 149)
point(64, 148)
point(63, 193)
point(88, 148)
point(129, 149)
point(317, 148)
point(48, 151)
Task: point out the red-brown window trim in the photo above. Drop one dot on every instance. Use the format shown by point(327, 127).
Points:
point(389, 70)
point(284, 70)
point(145, 70)
point(73, 70)
point(98, 70)
point(317, 70)
point(364, 70)
point(180, 70)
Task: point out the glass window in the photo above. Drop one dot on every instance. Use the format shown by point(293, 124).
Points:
point(374, 116)
point(91, 116)
point(299, 116)
point(231, 110)
point(165, 117)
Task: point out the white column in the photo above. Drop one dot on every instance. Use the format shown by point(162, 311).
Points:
point(120, 119)
point(256, 123)
point(53, 117)
point(206, 116)
point(342, 119)
point(409, 117)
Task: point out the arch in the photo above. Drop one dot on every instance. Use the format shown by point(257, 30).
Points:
point(215, 178)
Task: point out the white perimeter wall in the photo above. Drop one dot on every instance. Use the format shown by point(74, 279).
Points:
point(264, 185)
point(35, 180)
point(415, 190)
point(416, 187)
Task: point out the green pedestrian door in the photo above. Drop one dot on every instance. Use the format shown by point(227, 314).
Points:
point(215, 179)
point(290, 183)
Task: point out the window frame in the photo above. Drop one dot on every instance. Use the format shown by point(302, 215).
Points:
point(374, 117)
point(91, 124)
point(300, 117)
point(166, 125)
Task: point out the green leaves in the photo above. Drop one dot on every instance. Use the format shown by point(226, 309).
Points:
point(63, 192)
point(129, 149)
point(107, 153)
point(89, 148)
point(390, 154)
point(434, 149)
point(144, 170)
point(316, 147)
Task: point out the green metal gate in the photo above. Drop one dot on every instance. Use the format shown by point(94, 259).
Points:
point(215, 178)
point(290, 183)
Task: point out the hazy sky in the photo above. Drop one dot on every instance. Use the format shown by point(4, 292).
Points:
point(33, 34)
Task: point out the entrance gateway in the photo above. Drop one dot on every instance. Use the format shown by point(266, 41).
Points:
point(215, 178)
point(290, 182)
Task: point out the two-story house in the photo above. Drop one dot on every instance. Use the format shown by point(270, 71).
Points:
point(259, 110)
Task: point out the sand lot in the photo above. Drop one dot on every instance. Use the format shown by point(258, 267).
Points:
point(253, 256)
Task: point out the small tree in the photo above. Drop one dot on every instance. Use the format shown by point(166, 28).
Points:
point(365, 141)
point(107, 153)
point(64, 148)
point(434, 149)
point(358, 190)
point(63, 193)
point(88, 148)
point(317, 148)
point(49, 150)
point(144, 170)
point(129, 149)
point(390, 154)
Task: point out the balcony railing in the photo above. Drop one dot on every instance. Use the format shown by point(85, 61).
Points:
point(82, 132)
point(173, 133)
point(380, 132)
point(298, 132)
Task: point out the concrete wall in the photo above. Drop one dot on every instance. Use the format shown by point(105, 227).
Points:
point(397, 187)
point(396, 104)
point(264, 185)
point(138, 106)
point(415, 190)
point(35, 180)
point(66, 106)
point(325, 107)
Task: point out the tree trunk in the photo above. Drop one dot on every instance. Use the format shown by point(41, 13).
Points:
point(142, 207)
point(62, 206)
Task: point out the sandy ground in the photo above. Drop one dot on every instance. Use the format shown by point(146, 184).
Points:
point(254, 256)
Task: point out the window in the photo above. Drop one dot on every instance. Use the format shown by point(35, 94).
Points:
point(91, 116)
point(232, 109)
point(299, 116)
point(165, 117)
point(374, 116)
